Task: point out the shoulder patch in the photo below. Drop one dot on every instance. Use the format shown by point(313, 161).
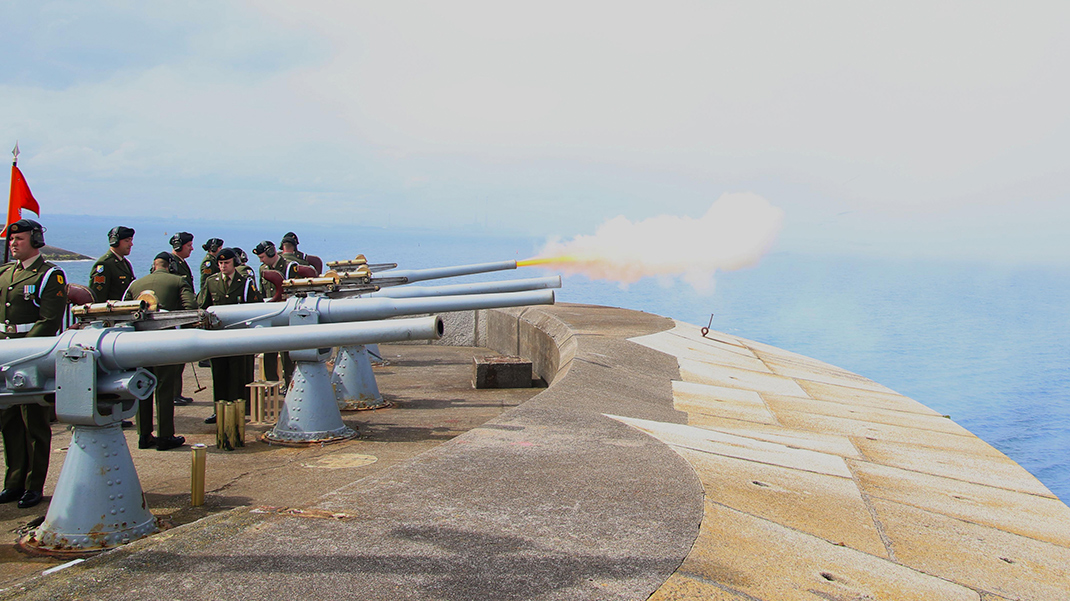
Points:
point(59, 277)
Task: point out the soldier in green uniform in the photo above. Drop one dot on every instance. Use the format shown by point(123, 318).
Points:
point(228, 287)
point(182, 248)
point(271, 260)
point(289, 249)
point(182, 245)
point(209, 266)
point(241, 263)
point(173, 293)
point(111, 274)
point(33, 296)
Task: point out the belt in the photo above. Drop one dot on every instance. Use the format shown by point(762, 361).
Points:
point(18, 328)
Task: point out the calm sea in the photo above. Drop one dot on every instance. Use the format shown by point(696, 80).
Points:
point(988, 345)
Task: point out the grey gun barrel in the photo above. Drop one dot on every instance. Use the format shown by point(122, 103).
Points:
point(436, 273)
point(124, 349)
point(463, 289)
point(367, 309)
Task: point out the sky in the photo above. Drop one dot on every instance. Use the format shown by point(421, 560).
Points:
point(892, 129)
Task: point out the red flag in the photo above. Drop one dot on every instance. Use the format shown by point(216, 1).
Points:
point(20, 198)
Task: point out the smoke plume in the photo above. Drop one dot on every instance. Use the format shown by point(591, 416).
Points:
point(734, 233)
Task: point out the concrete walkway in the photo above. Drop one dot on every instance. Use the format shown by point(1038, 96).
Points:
point(658, 464)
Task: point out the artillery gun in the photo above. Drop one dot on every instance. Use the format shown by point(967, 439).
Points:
point(97, 374)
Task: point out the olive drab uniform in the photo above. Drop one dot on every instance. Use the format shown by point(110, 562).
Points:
point(173, 293)
point(110, 277)
point(288, 269)
point(296, 257)
point(32, 302)
point(209, 267)
point(180, 267)
point(230, 374)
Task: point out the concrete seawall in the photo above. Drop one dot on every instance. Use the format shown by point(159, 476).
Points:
point(657, 464)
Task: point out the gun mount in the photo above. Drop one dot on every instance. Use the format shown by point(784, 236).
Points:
point(96, 374)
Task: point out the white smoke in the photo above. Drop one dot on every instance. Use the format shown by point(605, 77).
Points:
point(735, 232)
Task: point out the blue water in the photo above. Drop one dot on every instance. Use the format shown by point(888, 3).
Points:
point(987, 344)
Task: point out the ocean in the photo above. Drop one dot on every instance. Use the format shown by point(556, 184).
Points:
point(987, 344)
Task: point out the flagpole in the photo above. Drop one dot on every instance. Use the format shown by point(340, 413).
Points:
point(10, 196)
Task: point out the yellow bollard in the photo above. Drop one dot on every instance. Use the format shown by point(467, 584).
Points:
point(239, 416)
point(200, 453)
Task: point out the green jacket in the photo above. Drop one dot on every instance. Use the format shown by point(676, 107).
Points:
point(180, 267)
point(173, 292)
point(33, 298)
point(209, 267)
point(110, 277)
point(216, 292)
point(297, 257)
point(286, 267)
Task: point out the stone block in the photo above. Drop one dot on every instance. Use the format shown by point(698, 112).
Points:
point(501, 372)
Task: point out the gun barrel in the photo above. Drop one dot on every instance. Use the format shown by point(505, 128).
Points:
point(463, 289)
point(123, 349)
point(435, 273)
point(367, 309)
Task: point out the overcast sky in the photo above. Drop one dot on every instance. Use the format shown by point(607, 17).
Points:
point(932, 128)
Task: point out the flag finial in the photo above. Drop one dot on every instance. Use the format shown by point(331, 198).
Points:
point(15, 152)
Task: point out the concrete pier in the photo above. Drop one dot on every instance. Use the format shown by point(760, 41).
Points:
point(656, 464)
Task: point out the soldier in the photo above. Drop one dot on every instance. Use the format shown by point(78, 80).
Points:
point(182, 245)
point(228, 287)
point(111, 274)
point(33, 296)
point(209, 266)
point(271, 260)
point(173, 293)
point(241, 263)
point(289, 249)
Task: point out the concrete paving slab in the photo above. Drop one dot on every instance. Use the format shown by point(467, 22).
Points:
point(829, 375)
point(933, 423)
point(718, 401)
point(1013, 566)
point(718, 443)
point(1042, 518)
point(982, 465)
point(796, 439)
point(680, 347)
point(764, 560)
point(719, 375)
point(712, 338)
point(869, 430)
point(829, 507)
point(892, 401)
point(680, 587)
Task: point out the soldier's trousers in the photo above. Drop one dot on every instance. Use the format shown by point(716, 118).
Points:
point(229, 377)
point(27, 445)
point(168, 385)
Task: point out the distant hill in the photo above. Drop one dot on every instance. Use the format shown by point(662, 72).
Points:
point(52, 253)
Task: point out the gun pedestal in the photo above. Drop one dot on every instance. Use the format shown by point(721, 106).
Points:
point(310, 412)
point(354, 381)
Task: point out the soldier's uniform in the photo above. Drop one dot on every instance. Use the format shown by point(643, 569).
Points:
point(288, 269)
point(180, 267)
point(209, 267)
point(229, 374)
point(173, 293)
point(110, 276)
point(32, 302)
point(296, 257)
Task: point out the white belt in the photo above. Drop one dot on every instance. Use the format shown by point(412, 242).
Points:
point(18, 328)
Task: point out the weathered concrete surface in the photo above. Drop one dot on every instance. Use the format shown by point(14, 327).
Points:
point(658, 464)
point(821, 484)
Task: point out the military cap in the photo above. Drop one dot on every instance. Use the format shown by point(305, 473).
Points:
point(265, 247)
point(166, 256)
point(180, 239)
point(212, 244)
point(118, 233)
point(37, 231)
point(226, 253)
point(242, 257)
point(291, 238)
